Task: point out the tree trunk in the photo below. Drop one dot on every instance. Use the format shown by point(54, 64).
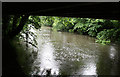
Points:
point(15, 21)
point(20, 26)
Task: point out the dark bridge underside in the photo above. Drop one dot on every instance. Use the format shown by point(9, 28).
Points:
point(72, 9)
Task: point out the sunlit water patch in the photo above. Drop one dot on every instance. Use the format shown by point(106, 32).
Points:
point(46, 56)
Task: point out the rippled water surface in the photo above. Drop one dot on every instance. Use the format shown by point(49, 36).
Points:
point(73, 54)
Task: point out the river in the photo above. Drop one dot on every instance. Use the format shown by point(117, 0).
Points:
point(66, 53)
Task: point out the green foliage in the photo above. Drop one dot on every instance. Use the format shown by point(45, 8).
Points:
point(106, 36)
point(88, 26)
point(105, 31)
point(71, 30)
point(80, 28)
point(46, 20)
point(63, 23)
point(103, 37)
point(35, 21)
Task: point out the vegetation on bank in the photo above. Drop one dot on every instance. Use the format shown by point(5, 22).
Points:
point(105, 31)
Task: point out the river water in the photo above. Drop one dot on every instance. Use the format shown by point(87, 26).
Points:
point(72, 54)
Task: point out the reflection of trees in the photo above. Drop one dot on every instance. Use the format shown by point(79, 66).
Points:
point(114, 55)
point(104, 63)
point(69, 67)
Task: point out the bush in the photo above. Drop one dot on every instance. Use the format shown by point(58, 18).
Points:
point(107, 36)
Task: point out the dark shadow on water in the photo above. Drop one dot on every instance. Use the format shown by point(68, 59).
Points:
point(10, 66)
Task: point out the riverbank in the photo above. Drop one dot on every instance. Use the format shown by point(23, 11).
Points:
point(105, 31)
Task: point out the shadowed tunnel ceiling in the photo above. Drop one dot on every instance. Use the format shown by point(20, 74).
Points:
point(100, 10)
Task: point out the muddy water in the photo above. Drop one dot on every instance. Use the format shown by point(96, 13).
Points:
point(65, 53)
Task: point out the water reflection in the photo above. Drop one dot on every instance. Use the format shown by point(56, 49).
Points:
point(90, 69)
point(114, 59)
point(112, 52)
point(46, 56)
point(47, 59)
point(72, 54)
